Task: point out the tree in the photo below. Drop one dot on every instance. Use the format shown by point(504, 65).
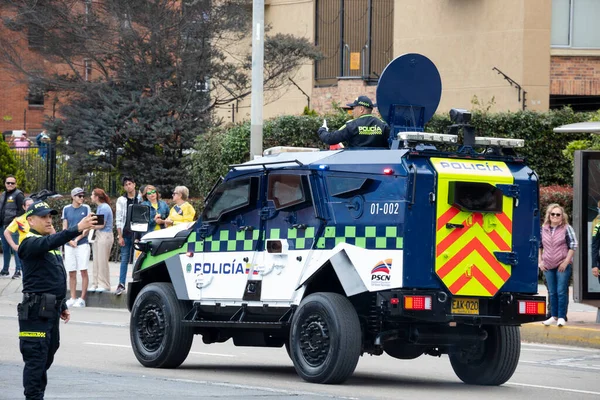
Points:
point(159, 68)
point(9, 164)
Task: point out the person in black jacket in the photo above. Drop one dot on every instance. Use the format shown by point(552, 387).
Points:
point(11, 206)
point(365, 130)
point(44, 292)
point(596, 245)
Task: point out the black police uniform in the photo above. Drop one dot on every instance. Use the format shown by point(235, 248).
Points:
point(364, 131)
point(596, 246)
point(44, 290)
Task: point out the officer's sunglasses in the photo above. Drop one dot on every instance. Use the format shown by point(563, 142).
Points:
point(10, 183)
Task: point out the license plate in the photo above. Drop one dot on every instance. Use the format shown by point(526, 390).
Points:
point(465, 306)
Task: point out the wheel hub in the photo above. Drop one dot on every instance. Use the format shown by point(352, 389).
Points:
point(151, 326)
point(314, 340)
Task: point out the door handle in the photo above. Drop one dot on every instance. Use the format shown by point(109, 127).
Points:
point(452, 226)
point(246, 228)
point(299, 226)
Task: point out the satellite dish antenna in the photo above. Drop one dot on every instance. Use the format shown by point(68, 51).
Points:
point(409, 92)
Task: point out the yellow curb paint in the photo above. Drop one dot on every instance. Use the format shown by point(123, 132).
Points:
point(538, 333)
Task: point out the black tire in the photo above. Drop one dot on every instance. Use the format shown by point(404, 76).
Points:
point(325, 338)
point(492, 362)
point(158, 337)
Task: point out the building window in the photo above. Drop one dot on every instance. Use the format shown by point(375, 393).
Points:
point(574, 24)
point(35, 36)
point(35, 96)
point(355, 37)
point(87, 70)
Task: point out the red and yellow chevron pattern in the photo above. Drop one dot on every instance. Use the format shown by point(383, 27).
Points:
point(464, 257)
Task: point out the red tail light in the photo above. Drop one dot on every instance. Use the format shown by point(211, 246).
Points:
point(417, 302)
point(530, 307)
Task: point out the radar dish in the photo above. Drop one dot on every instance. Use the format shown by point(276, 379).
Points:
point(409, 92)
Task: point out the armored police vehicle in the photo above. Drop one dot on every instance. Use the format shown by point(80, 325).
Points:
point(427, 248)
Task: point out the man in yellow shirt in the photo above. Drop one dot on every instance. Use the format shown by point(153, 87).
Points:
point(19, 224)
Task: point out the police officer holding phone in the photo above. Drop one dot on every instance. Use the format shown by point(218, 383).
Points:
point(365, 130)
point(44, 291)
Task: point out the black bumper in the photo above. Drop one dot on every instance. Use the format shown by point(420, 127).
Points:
point(502, 309)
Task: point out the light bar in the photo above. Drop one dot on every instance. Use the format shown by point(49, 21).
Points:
point(273, 151)
point(500, 142)
point(427, 137)
point(530, 307)
point(417, 302)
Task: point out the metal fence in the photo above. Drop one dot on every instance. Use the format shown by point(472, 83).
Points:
point(46, 168)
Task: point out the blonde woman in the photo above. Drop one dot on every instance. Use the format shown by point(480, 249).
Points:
point(182, 211)
point(103, 243)
point(555, 259)
point(158, 208)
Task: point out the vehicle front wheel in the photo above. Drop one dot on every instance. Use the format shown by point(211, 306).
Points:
point(325, 338)
point(491, 362)
point(158, 337)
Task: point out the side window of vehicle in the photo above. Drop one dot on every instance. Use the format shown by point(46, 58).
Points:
point(228, 197)
point(286, 190)
point(341, 186)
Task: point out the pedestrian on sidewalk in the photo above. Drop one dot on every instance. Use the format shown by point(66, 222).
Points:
point(77, 251)
point(182, 211)
point(44, 288)
point(555, 259)
point(596, 245)
point(20, 226)
point(11, 206)
point(124, 234)
point(159, 210)
point(103, 243)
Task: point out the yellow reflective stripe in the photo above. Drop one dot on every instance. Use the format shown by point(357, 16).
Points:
point(56, 252)
point(31, 234)
point(32, 334)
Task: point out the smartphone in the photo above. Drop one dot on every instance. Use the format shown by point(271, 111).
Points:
point(100, 220)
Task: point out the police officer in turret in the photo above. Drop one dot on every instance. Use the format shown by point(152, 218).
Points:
point(44, 291)
point(365, 130)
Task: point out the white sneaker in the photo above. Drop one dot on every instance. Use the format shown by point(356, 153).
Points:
point(100, 290)
point(92, 289)
point(79, 303)
point(561, 322)
point(70, 302)
point(550, 321)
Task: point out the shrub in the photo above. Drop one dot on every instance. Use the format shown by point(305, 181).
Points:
point(562, 195)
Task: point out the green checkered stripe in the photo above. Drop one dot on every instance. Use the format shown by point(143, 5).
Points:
point(229, 241)
point(366, 237)
point(298, 239)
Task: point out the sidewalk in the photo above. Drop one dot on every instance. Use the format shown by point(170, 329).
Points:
point(581, 329)
point(12, 287)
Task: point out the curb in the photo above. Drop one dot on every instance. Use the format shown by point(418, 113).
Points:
point(581, 336)
point(104, 299)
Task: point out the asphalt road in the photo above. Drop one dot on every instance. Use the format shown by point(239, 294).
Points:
point(95, 361)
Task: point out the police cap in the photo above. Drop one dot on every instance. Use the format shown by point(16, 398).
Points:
point(361, 101)
point(40, 208)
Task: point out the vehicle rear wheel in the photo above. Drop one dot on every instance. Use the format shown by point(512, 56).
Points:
point(325, 338)
point(491, 362)
point(158, 337)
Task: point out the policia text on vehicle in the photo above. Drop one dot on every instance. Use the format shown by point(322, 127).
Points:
point(44, 288)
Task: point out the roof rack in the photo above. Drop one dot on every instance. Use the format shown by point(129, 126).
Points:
point(264, 164)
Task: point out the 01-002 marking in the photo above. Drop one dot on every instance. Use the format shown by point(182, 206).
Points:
point(385, 208)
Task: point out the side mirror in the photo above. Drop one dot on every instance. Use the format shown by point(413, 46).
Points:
point(138, 218)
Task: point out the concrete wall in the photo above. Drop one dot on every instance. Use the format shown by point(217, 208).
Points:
point(467, 38)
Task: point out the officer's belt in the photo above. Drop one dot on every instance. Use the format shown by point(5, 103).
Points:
point(36, 298)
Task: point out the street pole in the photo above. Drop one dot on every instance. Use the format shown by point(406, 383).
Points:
point(258, 49)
